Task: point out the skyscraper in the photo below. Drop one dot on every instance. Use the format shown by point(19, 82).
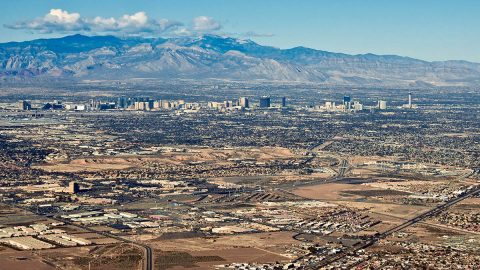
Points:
point(410, 100)
point(357, 106)
point(382, 104)
point(243, 102)
point(284, 102)
point(122, 102)
point(149, 105)
point(73, 187)
point(265, 102)
point(347, 102)
point(24, 105)
point(157, 104)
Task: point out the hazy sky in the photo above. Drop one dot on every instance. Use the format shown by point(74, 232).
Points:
point(425, 29)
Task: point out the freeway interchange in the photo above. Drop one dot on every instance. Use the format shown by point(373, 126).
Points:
point(342, 169)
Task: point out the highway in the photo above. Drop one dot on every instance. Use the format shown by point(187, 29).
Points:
point(311, 153)
point(336, 257)
point(342, 169)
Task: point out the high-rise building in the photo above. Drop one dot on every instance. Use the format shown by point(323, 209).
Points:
point(243, 101)
point(149, 105)
point(92, 104)
point(24, 105)
point(73, 187)
point(410, 100)
point(357, 106)
point(141, 106)
point(347, 101)
point(284, 102)
point(166, 104)
point(228, 103)
point(122, 103)
point(265, 102)
point(382, 104)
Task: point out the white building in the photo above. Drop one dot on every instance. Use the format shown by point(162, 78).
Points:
point(382, 104)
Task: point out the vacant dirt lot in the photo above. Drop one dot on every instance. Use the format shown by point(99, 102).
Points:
point(259, 247)
point(201, 155)
point(328, 191)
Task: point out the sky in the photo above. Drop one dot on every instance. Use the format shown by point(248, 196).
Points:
point(431, 30)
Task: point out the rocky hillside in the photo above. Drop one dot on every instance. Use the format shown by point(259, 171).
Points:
point(206, 57)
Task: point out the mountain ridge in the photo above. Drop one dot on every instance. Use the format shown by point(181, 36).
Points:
point(79, 57)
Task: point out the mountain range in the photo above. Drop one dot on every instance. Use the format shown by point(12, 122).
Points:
point(80, 57)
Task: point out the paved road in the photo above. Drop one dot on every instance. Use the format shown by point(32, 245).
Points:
point(408, 223)
point(311, 153)
point(148, 263)
point(340, 176)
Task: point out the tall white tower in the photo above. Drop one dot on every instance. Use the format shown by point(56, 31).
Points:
point(410, 100)
point(382, 104)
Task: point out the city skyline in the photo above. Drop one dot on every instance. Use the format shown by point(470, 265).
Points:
point(239, 135)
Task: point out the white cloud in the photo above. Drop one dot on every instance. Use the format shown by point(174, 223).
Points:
point(139, 23)
point(55, 20)
point(104, 22)
point(137, 19)
point(61, 17)
point(58, 20)
point(205, 24)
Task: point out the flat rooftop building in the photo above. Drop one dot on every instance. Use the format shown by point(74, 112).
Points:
point(27, 243)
